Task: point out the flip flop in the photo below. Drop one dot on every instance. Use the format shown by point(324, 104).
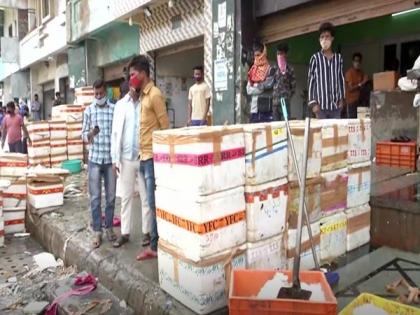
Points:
point(97, 241)
point(146, 255)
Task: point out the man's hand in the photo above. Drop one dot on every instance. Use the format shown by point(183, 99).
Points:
point(316, 108)
point(341, 104)
point(116, 169)
point(189, 122)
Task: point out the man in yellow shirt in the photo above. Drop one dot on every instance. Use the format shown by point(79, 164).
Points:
point(355, 79)
point(198, 100)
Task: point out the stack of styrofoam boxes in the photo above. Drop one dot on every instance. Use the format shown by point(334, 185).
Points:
point(358, 193)
point(58, 142)
point(39, 148)
point(266, 194)
point(312, 197)
point(13, 168)
point(45, 192)
point(4, 184)
point(85, 96)
point(334, 173)
point(200, 209)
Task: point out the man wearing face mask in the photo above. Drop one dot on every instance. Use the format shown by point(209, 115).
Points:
point(355, 80)
point(97, 130)
point(198, 99)
point(326, 80)
point(125, 160)
point(284, 82)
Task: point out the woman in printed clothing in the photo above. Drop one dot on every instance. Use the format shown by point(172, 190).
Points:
point(258, 87)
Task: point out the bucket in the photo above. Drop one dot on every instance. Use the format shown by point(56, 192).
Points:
point(74, 166)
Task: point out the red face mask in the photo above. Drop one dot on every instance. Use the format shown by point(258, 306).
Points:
point(135, 82)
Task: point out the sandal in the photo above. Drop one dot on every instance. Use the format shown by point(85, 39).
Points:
point(97, 240)
point(110, 235)
point(121, 241)
point(147, 254)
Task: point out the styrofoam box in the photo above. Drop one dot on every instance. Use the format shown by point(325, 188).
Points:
point(68, 113)
point(192, 168)
point(314, 150)
point(58, 147)
point(307, 259)
point(45, 195)
point(267, 254)
point(334, 191)
point(360, 135)
point(15, 195)
point(39, 148)
point(57, 160)
point(358, 187)
point(76, 156)
point(58, 129)
point(75, 146)
point(14, 219)
point(334, 135)
point(74, 130)
point(266, 206)
point(312, 199)
point(201, 225)
point(333, 236)
point(38, 131)
point(13, 164)
point(200, 286)
point(1, 231)
point(358, 226)
point(44, 161)
point(266, 152)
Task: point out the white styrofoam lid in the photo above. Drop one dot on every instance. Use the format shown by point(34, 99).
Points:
point(4, 183)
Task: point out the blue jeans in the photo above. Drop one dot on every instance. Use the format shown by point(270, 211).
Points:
point(95, 173)
point(15, 147)
point(260, 117)
point(148, 171)
point(198, 122)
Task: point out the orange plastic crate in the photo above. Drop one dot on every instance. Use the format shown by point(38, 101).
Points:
point(245, 285)
point(397, 154)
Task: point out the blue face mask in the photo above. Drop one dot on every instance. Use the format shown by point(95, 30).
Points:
point(101, 102)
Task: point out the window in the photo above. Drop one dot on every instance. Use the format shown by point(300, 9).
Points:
point(45, 10)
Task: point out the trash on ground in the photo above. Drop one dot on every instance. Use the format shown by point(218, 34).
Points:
point(45, 260)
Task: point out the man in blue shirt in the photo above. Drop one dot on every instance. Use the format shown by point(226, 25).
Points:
point(97, 130)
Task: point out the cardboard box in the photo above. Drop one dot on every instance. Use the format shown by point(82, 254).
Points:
point(385, 81)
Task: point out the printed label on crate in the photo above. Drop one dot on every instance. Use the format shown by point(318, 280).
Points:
point(330, 228)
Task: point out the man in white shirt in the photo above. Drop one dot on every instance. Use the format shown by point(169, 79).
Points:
point(124, 153)
point(198, 99)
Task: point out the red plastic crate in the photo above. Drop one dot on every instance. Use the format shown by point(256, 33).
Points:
point(397, 154)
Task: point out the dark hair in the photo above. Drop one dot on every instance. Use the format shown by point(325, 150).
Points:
point(99, 84)
point(282, 47)
point(258, 46)
point(140, 63)
point(327, 27)
point(357, 54)
point(35, 95)
point(200, 68)
point(11, 105)
point(57, 93)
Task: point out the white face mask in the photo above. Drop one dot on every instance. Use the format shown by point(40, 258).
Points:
point(101, 102)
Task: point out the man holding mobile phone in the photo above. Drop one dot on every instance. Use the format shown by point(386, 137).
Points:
point(97, 130)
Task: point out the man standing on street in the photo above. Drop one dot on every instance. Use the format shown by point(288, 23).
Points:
point(36, 109)
point(125, 161)
point(153, 116)
point(97, 129)
point(355, 80)
point(12, 125)
point(326, 79)
point(198, 99)
point(284, 82)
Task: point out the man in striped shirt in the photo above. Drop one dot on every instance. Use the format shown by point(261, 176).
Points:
point(326, 78)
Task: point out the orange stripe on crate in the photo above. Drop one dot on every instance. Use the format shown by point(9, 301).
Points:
point(201, 228)
point(45, 191)
point(13, 164)
point(38, 130)
point(13, 222)
point(20, 196)
point(1, 233)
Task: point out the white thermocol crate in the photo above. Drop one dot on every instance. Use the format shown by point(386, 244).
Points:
point(201, 225)
point(306, 258)
point(14, 220)
point(58, 129)
point(68, 113)
point(39, 149)
point(74, 130)
point(58, 147)
point(13, 164)
point(201, 160)
point(314, 149)
point(358, 226)
point(333, 236)
point(360, 135)
point(266, 206)
point(334, 191)
point(312, 199)
point(1, 231)
point(267, 254)
point(38, 131)
point(75, 146)
point(201, 286)
point(4, 184)
point(334, 144)
point(358, 187)
point(15, 195)
point(45, 194)
point(266, 152)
